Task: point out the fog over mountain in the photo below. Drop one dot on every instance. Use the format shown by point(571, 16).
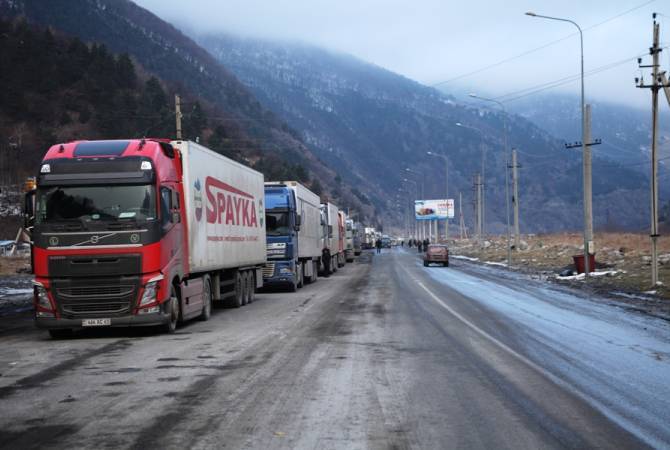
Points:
point(433, 41)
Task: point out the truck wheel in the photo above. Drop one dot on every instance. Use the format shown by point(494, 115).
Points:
point(300, 274)
point(173, 312)
point(206, 300)
point(251, 291)
point(238, 300)
point(61, 333)
point(315, 272)
point(425, 264)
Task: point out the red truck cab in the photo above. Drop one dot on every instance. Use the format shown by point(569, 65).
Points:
point(109, 236)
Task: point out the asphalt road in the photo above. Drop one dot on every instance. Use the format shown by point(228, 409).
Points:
point(384, 354)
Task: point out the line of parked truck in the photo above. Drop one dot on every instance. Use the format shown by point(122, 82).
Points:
point(151, 232)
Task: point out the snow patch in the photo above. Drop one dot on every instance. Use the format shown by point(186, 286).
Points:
point(467, 258)
point(580, 276)
point(494, 263)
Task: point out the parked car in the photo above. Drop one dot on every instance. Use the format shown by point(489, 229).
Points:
point(436, 253)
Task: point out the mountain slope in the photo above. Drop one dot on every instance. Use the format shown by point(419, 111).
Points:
point(371, 124)
point(163, 50)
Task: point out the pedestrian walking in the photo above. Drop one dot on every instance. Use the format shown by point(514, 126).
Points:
point(378, 244)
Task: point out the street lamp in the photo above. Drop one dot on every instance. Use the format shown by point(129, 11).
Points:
point(446, 176)
point(586, 152)
point(420, 176)
point(509, 238)
point(483, 203)
point(416, 188)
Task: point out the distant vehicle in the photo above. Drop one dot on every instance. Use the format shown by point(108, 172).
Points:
point(349, 241)
point(293, 228)
point(368, 239)
point(386, 241)
point(143, 232)
point(342, 238)
point(330, 236)
point(357, 238)
point(436, 253)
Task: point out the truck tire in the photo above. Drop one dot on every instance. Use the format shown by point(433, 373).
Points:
point(251, 294)
point(300, 275)
point(173, 312)
point(238, 298)
point(315, 272)
point(425, 264)
point(206, 299)
point(62, 333)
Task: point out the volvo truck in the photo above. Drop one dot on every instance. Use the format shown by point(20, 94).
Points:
point(143, 232)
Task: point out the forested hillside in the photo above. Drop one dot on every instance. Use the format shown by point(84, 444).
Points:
point(229, 117)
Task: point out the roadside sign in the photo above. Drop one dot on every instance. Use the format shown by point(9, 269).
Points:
point(434, 209)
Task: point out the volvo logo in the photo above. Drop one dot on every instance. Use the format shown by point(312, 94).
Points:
point(134, 238)
point(53, 241)
point(94, 239)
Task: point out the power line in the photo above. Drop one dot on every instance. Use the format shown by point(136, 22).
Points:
point(541, 47)
point(561, 81)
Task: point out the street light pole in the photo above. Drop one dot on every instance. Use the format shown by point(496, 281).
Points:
point(419, 177)
point(416, 226)
point(506, 150)
point(446, 177)
point(483, 172)
point(586, 152)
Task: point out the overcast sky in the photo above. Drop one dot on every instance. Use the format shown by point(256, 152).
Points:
point(437, 40)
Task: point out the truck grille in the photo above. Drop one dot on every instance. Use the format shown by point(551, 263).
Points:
point(92, 299)
point(268, 270)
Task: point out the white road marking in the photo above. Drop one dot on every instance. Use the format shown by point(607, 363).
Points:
point(487, 336)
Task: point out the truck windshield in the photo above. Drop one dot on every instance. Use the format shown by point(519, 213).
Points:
point(96, 203)
point(276, 223)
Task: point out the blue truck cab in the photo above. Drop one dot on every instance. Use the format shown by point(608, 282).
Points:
point(282, 223)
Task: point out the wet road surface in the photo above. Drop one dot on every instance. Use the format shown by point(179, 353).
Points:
point(384, 354)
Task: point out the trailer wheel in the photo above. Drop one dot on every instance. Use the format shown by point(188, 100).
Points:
point(238, 300)
point(206, 299)
point(251, 294)
point(300, 274)
point(63, 333)
point(173, 312)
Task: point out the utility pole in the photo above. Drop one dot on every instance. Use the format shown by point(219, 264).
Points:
point(658, 81)
point(515, 198)
point(586, 145)
point(177, 110)
point(463, 231)
point(478, 205)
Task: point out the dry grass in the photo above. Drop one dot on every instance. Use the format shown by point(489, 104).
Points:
point(626, 253)
point(11, 265)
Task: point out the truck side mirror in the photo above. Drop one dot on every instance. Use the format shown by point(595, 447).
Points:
point(298, 222)
point(29, 209)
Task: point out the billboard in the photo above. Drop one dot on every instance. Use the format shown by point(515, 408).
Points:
point(434, 209)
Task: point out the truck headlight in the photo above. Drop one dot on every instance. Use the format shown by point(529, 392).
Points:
point(149, 294)
point(43, 306)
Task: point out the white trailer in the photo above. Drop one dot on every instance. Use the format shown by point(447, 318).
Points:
point(349, 241)
point(331, 238)
point(225, 221)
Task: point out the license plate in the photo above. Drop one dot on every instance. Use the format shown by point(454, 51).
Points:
point(96, 322)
